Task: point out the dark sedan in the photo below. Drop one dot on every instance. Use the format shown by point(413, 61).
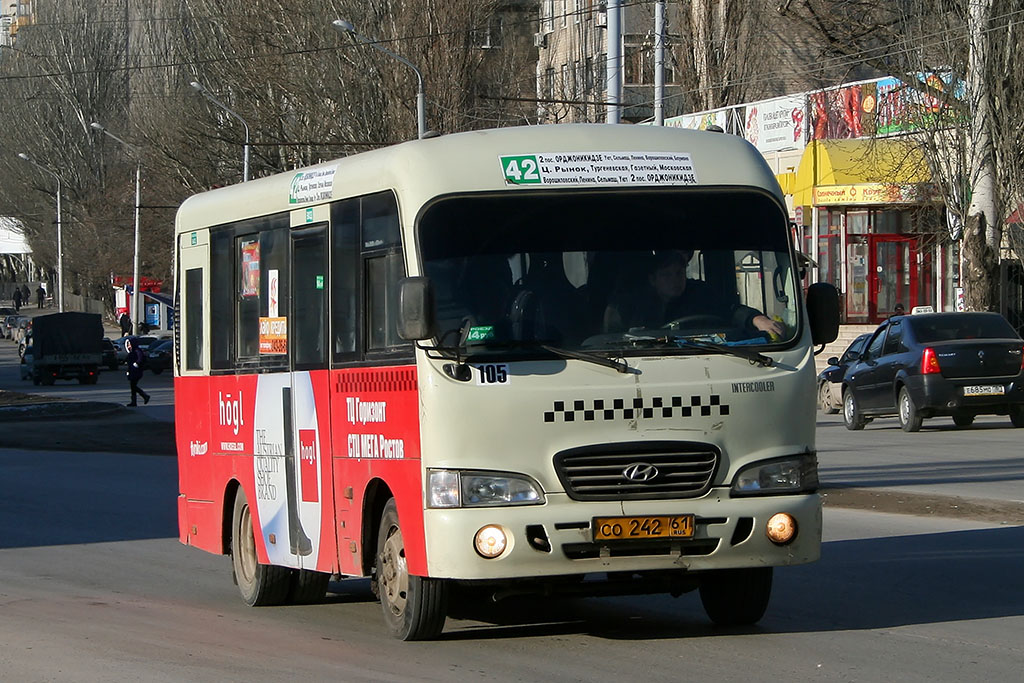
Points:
point(919, 366)
point(160, 356)
point(830, 380)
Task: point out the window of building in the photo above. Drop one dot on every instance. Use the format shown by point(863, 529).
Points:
point(547, 13)
point(490, 36)
point(548, 86)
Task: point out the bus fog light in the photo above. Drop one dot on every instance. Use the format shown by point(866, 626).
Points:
point(781, 528)
point(490, 541)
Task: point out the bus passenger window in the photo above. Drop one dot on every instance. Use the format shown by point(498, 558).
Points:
point(380, 221)
point(382, 276)
point(308, 322)
point(344, 270)
point(222, 301)
point(194, 319)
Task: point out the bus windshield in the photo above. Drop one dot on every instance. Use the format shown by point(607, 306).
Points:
point(610, 271)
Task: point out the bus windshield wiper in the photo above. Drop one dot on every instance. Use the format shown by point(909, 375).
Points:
point(753, 356)
point(685, 342)
point(617, 364)
point(463, 353)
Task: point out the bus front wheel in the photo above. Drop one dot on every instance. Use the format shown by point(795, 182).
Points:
point(259, 584)
point(414, 606)
point(736, 597)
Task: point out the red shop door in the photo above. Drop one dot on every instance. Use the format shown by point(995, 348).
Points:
point(892, 275)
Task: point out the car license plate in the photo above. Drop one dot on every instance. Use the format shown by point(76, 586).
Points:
point(638, 528)
point(984, 390)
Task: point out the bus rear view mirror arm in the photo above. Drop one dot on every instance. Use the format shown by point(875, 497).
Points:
point(416, 320)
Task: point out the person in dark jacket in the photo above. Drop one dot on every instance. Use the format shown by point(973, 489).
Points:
point(136, 364)
point(126, 325)
point(17, 299)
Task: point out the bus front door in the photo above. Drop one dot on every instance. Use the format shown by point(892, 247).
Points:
point(306, 404)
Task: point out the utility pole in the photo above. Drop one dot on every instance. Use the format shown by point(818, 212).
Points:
point(613, 63)
point(659, 63)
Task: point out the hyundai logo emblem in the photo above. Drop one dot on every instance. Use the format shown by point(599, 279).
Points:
point(640, 471)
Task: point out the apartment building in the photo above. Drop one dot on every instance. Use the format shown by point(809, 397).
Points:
point(572, 61)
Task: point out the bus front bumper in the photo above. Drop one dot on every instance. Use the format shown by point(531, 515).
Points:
point(557, 538)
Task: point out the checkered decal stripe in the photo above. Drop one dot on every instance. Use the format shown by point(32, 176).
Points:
point(636, 408)
point(366, 381)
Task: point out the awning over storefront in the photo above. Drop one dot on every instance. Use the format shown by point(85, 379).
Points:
point(864, 171)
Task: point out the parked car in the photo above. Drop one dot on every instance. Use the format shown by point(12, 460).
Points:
point(921, 366)
point(160, 356)
point(830, 380)
point(27, 366)
point(7, 325)
point(109, 354)
point(21, 328)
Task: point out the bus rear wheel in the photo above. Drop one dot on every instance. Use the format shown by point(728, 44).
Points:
point(736, 597)
point(259, 584)
point(414, 606)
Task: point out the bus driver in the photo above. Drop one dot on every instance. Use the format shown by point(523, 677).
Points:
point(669, 295)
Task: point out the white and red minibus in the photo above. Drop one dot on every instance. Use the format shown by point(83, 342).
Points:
point(507, 360)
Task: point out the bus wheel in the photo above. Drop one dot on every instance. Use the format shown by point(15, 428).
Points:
point(259, 584)
point(736, 597)
point(414, 606)
point(307, 586)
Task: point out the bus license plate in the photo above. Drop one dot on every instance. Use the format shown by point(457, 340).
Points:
point(639, 528)
point(985, 390)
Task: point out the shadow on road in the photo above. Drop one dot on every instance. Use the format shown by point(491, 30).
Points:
point(858, 584)
point(60, 498)
point(908, 473)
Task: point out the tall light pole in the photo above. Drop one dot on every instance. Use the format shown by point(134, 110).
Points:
point(421, 97)
point(60, 247)
point(201, 89)
point(134, 314)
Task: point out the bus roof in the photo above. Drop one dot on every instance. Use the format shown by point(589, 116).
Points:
point(476, 161)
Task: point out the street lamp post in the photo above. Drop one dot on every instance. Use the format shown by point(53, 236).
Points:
point(136, 295)
point(60, 247)
point(421, 97)
point(201, 89)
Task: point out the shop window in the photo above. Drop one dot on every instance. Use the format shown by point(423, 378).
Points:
point(857, 222)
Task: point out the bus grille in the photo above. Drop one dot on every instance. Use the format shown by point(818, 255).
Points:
point(637, 471)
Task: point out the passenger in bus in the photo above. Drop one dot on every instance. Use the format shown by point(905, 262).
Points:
point(668, 295)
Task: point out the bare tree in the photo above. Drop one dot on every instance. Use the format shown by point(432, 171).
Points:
point(963, 57)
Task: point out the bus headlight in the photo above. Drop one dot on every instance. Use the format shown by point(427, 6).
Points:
point(454, 488)
point(794, 474)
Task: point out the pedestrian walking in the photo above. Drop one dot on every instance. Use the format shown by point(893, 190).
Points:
point(40, 295)
point(26, 296)
point(17, 299)
point(136, 365)
point(126, 325)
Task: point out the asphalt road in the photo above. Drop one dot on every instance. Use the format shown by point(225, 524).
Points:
point(95, 587)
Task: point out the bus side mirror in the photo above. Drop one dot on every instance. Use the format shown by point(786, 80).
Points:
point(823, 312)
point(416, 309)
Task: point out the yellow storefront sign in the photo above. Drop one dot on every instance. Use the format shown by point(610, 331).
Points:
point(869, 193)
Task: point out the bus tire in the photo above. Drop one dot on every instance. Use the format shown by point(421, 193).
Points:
point(414, 607)
point(307, 586)
point(736, 597)
point(259, 584)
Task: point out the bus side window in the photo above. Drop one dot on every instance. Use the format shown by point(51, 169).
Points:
point(222, 300)
point(382, 276)
point(194, 319)
point(344, 280)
